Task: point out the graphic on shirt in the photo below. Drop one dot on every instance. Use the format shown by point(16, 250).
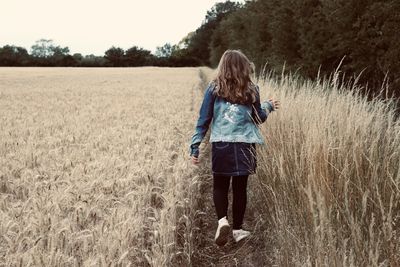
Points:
point(231, 112)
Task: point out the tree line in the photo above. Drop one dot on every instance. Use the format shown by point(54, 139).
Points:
point(309, 37)
point(45, 53)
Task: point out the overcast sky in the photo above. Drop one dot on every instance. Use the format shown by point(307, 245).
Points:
point(93, 26)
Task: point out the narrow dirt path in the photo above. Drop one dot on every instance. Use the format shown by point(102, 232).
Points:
point(253, 251)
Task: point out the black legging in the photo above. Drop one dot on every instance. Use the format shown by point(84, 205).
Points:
point(220, 195)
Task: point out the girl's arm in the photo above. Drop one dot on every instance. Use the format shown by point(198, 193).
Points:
point(205, 117)
point(259, 113)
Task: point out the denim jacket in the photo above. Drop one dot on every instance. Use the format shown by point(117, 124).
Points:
point(229, 122)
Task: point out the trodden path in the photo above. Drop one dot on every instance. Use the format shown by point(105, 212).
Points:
point(253, 251)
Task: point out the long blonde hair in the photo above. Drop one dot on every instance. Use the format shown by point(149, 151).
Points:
point(233, 81)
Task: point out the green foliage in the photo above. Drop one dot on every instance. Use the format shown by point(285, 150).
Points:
point(133, 57)
point(311, 37)
point(92, 61)
point(115, 56)
point(198, 45)
point(45, 53)
point(43, 48)
point(13, 56)
point(165, 50)
point(136, 56)
point(378, 34)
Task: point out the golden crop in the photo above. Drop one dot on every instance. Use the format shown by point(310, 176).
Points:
point(95, 171)
point(93, 164)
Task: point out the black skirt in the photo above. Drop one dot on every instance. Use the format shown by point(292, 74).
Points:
point(233, 158)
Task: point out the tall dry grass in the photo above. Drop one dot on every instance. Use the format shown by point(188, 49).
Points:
point(93, 166)
point(330, 173)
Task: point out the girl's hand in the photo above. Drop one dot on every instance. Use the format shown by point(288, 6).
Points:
point(195, 160)
point(275, 103)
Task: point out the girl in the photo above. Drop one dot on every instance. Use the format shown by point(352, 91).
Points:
point(232, 105)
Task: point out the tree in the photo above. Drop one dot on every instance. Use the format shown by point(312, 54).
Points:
point(43, 48)
point(13, 56)
point(198, 45)
point(93, 61)
point(115, 56)
point(221, 10)
point(165, 50)
point(46, 53)
point(308, 36)
point(377, 50)
point(61, 56)
point(136, 56)
point(78, 56)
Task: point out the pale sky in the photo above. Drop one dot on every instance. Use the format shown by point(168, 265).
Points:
point(93, 26)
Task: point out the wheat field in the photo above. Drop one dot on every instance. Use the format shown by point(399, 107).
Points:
point(93, 165)
point(94, 171)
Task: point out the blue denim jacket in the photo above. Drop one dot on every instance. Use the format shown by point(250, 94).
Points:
point(229, 122)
